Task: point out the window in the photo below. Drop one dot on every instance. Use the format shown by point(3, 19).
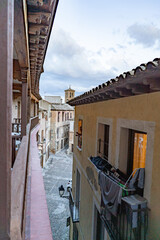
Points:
point(19, 109)
point(70, 115)
point(75, 232)
point(79, 133)
point(66, 116)
point(103, 140)
point(61, 143)
point(132, 153)
point(42, 135)
point(137, 144)
point(58, 145)
point(98, 226)
point(57, 132)
point(70, 95)
point(78, 185)
point(62, 116)
point(51, 134)
point(58, 116)
point(78, 182)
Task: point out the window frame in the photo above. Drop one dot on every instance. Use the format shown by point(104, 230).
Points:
point(109, 122)
point(63, 116)
point(147, 127)
point(79, 134)
point(131, 150)
point(95, 211)
point(58, 118)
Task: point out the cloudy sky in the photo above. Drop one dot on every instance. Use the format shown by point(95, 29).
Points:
point(93, 41)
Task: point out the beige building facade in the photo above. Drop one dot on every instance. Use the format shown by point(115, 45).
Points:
point(71, 136)
point(44, 130)
point(123, 128)
point(62, 115)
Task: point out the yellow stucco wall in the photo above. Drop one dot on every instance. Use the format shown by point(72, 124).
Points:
point(141, 108)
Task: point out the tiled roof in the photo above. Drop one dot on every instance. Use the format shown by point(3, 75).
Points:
point(143, 79)
point(62, 107)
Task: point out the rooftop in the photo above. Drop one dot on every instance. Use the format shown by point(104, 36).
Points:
point(62, 107)
point(143, 79)
point(53, 99)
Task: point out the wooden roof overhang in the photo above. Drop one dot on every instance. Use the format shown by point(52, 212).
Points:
point(41, 15)
point(33, 20)
point(21, 47)
point(144, 79)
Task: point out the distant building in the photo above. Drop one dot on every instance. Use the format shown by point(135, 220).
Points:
point(53, 99)
point(69, 94)
point(71, 135)
point(44, 131)
point(62, 114)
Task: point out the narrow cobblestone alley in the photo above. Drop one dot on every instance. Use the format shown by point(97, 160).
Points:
point(58, 171)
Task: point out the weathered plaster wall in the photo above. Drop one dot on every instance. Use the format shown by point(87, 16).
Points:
point(63, 127)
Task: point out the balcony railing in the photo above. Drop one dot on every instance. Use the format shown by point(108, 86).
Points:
point(16, 141)
point(16, 127)
point(19, 183)
point(34, 121)
point(74, 208)
point(131, 222)
point(16, 135)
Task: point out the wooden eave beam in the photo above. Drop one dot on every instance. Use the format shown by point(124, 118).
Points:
point(41, 14)
point(39, 17)
point(21, 33)
point(16, 70)
point(17, 86)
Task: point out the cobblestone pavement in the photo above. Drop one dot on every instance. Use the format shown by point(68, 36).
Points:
point(58, 171)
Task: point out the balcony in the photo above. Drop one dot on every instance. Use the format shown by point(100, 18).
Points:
point(16, 138)
point(130, 220)
point(29, 213)
point(74, 208)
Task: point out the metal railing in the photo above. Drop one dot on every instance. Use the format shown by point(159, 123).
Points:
point(128, 225)
point(74, 208)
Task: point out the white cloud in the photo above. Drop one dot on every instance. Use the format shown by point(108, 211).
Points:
point(67, 58)
point(147, 35)
point(69, 63)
